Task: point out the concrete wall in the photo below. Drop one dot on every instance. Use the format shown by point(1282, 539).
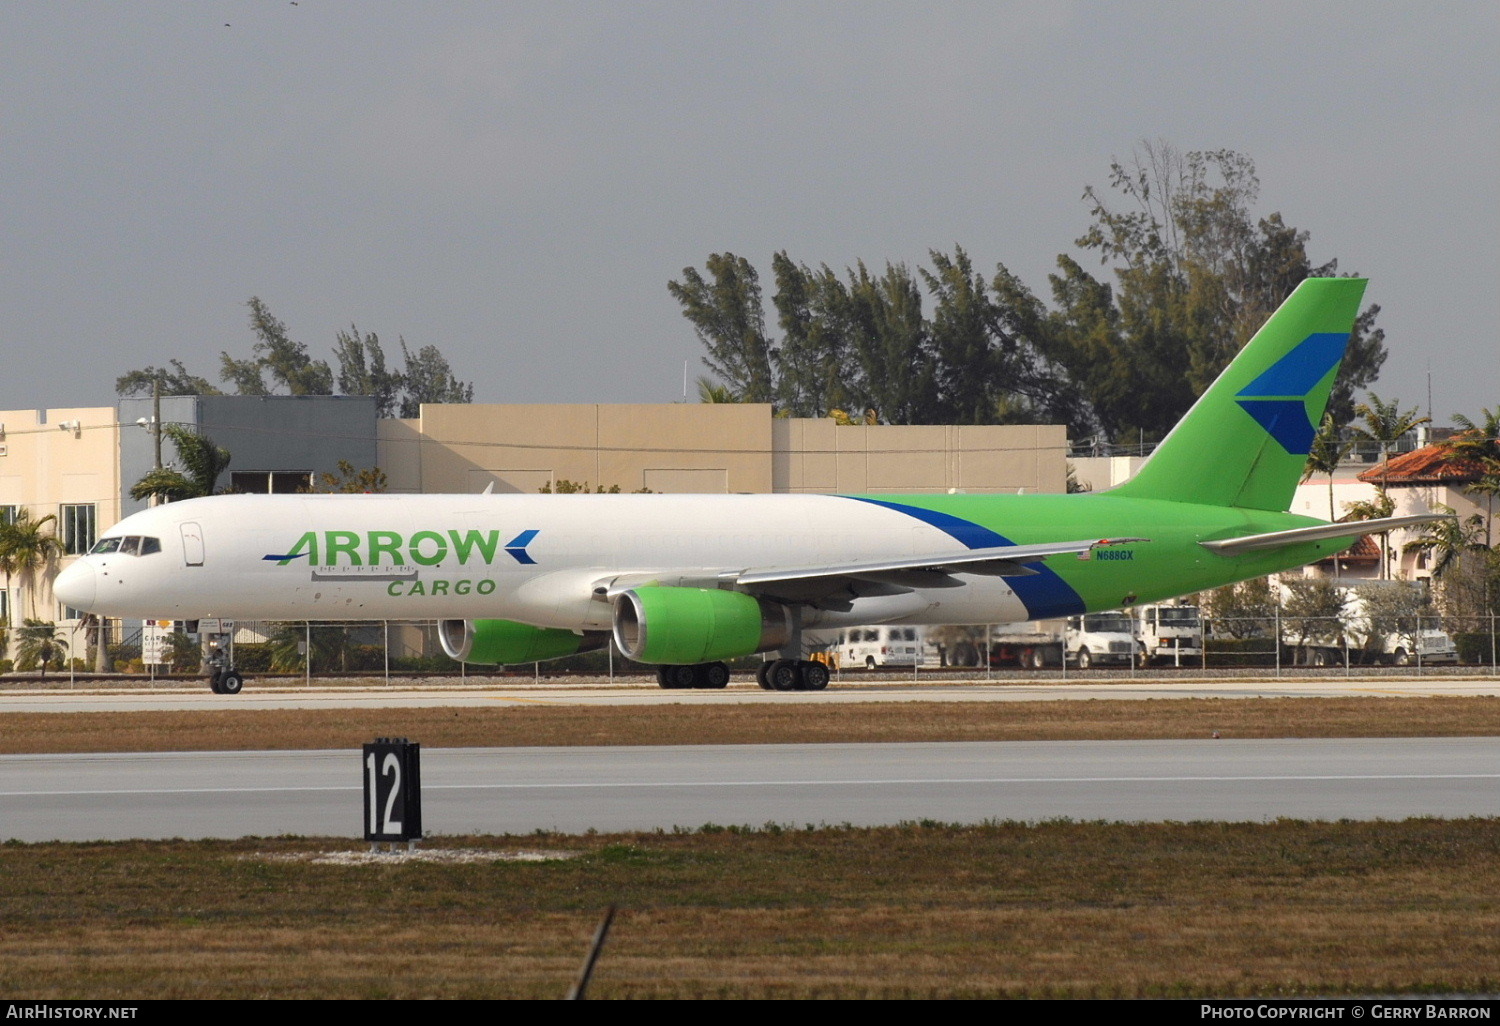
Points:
point(707, 447)
point(262, 433)
point(520, 448)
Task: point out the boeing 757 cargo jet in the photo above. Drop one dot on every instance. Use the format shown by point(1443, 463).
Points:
point(687, 581)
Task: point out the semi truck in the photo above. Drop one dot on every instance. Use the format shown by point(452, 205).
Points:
point(1095, 639)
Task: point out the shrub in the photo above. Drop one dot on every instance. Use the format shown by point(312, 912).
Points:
point(1474, 647)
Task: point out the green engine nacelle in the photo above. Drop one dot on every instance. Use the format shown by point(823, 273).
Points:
point(505, 641)
point(680, 626)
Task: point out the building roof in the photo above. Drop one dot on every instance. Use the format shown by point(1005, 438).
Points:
point(1431, 464)
point(1364, 551)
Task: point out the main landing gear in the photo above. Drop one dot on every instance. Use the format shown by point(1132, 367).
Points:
point(696, 675)
point(792, 675)
point(776, 675)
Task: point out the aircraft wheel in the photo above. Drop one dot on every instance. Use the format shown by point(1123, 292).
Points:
point(1319, 657)
point(1085, 658)
point(785, 675)
point(676, 677)
point(231, 683)
point(213, 684)
point(814, 676)
point(762, 677)
point(715, 675)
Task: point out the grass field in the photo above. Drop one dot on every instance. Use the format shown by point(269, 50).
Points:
point(1051, 910)
point(922, 910)
point(529, 725)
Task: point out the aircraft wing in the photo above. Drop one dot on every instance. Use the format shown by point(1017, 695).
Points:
point(895, 576)
point(1348, 529)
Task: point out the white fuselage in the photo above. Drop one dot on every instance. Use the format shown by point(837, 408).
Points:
point(547, 560)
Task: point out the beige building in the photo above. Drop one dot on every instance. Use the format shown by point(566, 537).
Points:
point(63, 463)
point(706, 447)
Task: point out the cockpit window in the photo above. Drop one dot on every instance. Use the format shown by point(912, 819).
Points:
point(130, 545)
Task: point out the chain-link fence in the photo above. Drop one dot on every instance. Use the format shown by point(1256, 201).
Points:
point(1273, 644)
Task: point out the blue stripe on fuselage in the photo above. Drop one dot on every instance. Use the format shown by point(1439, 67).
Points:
point(1044, 593)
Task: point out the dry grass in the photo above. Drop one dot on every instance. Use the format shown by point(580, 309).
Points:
point(25, 733)
point(1057, 909)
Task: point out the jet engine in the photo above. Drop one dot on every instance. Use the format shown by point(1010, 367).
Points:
point(505, 641)
point(681, 626)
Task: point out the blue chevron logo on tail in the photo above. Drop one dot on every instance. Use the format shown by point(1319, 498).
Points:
point(1277, 397)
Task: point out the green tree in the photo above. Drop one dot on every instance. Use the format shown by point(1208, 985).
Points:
point(1197, 274)
point(1385, 423)
point(287, 361)
point(27, 546)
point(894, 372)
point(814, 359)
point(330, 648)
point(726, 314)
point(1479, 445)
point(714, 393)
point(1312, 611)
point(350, 481)
point(1329, 449)
point(1393, 612)
point(1448, 540)
point(1243, 610)
point(362, 370)
point(429, 379)
point(202, 464)
point(40, 644)
point(176, 381)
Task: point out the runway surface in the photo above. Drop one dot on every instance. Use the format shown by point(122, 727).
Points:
point(852, 688)
point(518, 790)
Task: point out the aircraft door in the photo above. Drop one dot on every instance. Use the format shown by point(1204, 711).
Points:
point(192, 544)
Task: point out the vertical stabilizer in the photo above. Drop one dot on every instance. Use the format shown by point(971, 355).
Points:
point(1245, 441)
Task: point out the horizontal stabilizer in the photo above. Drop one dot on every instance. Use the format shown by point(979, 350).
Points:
point(1297, 535)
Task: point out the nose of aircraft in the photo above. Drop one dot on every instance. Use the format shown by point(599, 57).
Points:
point(77, 585)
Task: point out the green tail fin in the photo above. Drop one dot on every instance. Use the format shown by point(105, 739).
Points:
point(1245, 441)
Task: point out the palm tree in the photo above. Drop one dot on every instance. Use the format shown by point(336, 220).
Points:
point(1447, 539)
point(202, 463)
point(38, 643)
point(1328, 450)
point(25, 547)
point(1479, 443)
point(710, 391)
point(1386, 422)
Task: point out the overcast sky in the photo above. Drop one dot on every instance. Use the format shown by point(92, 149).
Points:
point(516, 183)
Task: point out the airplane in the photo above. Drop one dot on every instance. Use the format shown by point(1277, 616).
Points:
point(686, 582)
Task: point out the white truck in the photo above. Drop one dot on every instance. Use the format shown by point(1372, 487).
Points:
point(1381, 622)
point(1094, 639)
point(1171, 635)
